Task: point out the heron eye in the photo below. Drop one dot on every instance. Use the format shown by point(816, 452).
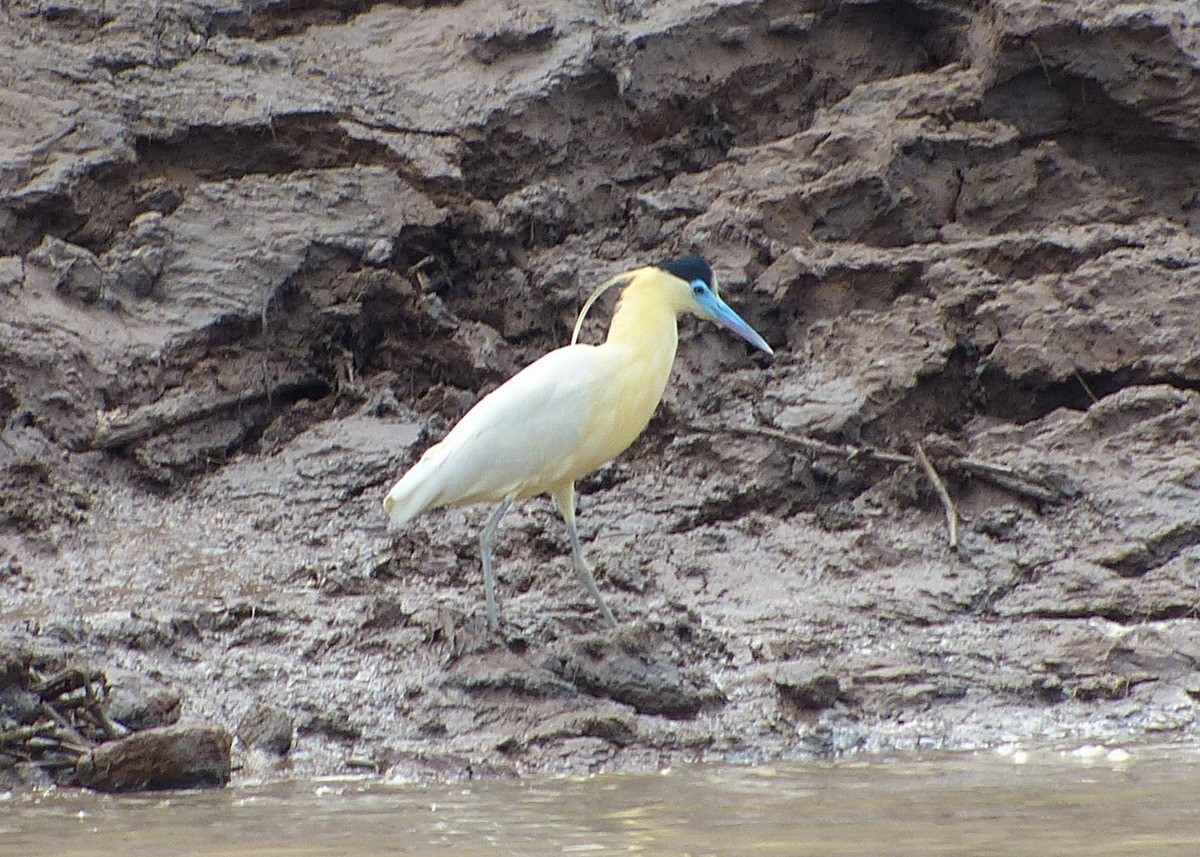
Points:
point(697, 288)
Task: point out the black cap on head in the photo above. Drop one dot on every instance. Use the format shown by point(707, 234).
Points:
point(689, 268)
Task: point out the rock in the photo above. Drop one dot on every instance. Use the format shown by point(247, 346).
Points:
point(267, 727)
point(509, 673)
point(18, 706)
point(631, 673)
point(138, 702)
point(806, 687)
point(195, 755)
point(75, 271)
point(616, 727)
point(139, 255)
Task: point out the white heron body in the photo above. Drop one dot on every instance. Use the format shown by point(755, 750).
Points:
point(556, 420)
point(560, 418)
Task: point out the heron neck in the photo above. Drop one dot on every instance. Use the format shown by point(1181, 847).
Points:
point(645, 324)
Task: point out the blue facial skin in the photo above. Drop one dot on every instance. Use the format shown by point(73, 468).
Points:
point(723, 314)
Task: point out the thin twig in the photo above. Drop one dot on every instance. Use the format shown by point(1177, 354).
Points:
point(824, 447)
point(95, 709)
point(995, 474)
point(943, 494)
point(19, 736)
point(1042, 62)
point(77, 740)
point(1082, 383)
point(1008, 479)
point(122, 426)
point(64, 682)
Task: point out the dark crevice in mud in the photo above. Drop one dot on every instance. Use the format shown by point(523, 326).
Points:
point(323, 336)
point(1024, 260)
point(1041, 102)
point(984, 602)
point(1161, 176)
point(836, 291)
point(504, 156)
point(302, 141)
point(1120, 615)
point(167, 453)
point(102, 204)
point(1078, 154)
point(54, 215)
point(275, 20)
point(941, 32)
point(1156, 551)
point(943, 402)
point(1025, 400)
point(968, 385)
point(669, 133)
point(288, 144)
point(282, 18)
point(1158, 172)
point(784, 76)
point(76, 17)
point(34, 497)
point(732, 508)
point(678, 135)
point(789, 483)
point(460, 267)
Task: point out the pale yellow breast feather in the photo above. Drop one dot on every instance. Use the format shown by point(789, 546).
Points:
point(637, 359)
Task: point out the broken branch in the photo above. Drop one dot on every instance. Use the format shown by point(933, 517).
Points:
point(121, 427)
point(1001, 477)
point(940, 487)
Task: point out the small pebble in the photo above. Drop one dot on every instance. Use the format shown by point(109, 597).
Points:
point(1089, 752)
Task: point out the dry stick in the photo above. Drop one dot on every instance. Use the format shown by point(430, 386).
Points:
point(1008, 479)
point(121, 427)
point(95, 708)
point(65, 725)
point(19, 736)
point(821, 446)
point(64, 682)
point(943, 494)
point(58, 763)
point(1082, 383)
point(998, 475)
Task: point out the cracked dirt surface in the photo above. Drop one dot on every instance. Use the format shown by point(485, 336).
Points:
point(256, 256)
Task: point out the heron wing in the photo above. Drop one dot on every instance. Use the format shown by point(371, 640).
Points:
point(522, 438)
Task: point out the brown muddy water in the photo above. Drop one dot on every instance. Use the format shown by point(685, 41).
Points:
point(1090, 800)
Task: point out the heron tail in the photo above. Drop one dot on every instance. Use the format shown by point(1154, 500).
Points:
point(416, 491)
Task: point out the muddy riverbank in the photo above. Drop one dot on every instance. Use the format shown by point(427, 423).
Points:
point(254, 257)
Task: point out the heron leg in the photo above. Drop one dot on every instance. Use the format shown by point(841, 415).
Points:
point(565, 499)
point(486, 540)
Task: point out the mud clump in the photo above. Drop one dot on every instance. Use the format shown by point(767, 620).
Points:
point(630, 671)
point(807, 688)
point(255, 259)
point(268, 727)
point(165, 757)
point(72, 727)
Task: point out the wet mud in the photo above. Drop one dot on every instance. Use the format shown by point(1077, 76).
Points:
point(255, 257)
